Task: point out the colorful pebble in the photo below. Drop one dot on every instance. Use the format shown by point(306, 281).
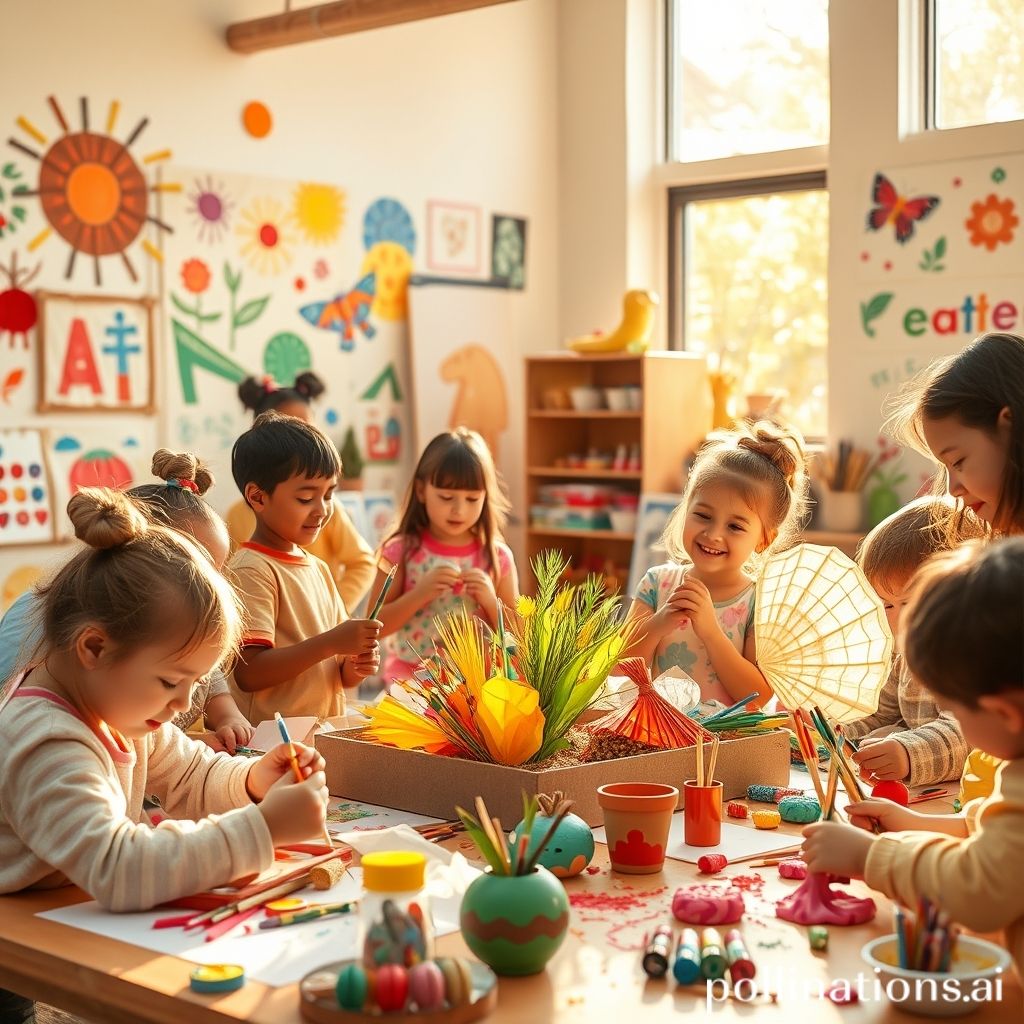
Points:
point(799, 809)
point(766, 819)
point(352, 987)
point(817, 936)
point(712, 863)
point(794, 868)
point(426, 986)
point(770, 794)
point(458, 982)
point(734, 810)
point(392, 987)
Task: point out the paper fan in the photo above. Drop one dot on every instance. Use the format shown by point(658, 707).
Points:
point(822, 637)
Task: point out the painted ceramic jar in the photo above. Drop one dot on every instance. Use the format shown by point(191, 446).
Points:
point(515, 923)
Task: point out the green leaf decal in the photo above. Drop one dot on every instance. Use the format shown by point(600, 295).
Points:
point(873, 309)
point(250, 311)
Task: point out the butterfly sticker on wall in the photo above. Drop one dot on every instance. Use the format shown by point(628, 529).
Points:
point(892, 208)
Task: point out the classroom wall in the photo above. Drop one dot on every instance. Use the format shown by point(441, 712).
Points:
point(459, 108)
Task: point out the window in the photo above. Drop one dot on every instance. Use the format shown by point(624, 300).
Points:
point(747, 76)
point(749, 289)
point(976, 75)
point(748, 248)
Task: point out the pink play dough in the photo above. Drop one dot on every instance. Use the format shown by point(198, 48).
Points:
point(708, 904)
point(816, 902)
point(793, 869)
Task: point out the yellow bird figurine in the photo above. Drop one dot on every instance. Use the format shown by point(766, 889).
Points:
point(633, 334)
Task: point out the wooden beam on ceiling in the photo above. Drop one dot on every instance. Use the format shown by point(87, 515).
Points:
point(339, 18)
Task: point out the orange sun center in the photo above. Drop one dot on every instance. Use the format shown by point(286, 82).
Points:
point(93, 193)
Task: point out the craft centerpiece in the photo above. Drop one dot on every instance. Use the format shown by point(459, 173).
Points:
point(499, 713)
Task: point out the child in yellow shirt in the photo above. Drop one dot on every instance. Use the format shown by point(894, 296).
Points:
point(339, 544)
point(963, 639)
point(299, 648)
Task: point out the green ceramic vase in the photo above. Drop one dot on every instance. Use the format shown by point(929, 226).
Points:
point(515, 923)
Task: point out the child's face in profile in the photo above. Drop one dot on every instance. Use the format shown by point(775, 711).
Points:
point(895, 600)
point(138, 693)
point(295, 511)
point(975, 460)
point(721, 530)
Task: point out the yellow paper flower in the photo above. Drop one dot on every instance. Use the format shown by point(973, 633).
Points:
point(510, 720)
point(393, 723)
point(526, 606)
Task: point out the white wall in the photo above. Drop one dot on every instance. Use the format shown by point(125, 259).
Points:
point(461, 107)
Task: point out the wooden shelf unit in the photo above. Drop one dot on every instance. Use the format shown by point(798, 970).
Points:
point(674, 418)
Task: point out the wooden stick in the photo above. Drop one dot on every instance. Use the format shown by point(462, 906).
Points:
point(714, 761)
point(830, 793)
point(502, 844)
point(700, 759)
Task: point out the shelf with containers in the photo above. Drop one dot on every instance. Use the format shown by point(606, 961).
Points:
point(600, 431)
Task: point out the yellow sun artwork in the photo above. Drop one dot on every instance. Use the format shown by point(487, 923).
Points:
point(319, 211)
point(267, 236)
point(393, 265)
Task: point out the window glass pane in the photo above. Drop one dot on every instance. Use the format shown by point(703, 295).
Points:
point(756, 297)
point(979, 74)
point(751, 76)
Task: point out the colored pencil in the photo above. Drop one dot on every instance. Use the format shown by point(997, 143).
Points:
point(309, 914)
point(379, 603)
point(294, 757)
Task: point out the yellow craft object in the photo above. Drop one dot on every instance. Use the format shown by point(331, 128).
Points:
point(510, 720)
point(766, 819)
point(393, 723)
point(634, 333)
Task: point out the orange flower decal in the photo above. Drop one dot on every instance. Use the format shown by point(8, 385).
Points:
point(195, 275)
point(992, 222)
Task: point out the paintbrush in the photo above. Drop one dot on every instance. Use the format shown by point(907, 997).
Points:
point(297, 771)
point(379, 603)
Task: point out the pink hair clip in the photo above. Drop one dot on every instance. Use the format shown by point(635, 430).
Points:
point(269, 385)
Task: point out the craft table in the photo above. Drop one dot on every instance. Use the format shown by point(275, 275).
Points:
point(595, 977)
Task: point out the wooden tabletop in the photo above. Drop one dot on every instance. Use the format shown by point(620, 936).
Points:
point(595, 976)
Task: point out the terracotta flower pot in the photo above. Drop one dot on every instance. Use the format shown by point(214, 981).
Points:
point(637, 818)
point(515, 923)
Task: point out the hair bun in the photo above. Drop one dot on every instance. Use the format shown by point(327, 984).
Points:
point(784, 451)
point(104, 518)
point(251, 392)
point(309, 385)
point(168, 465)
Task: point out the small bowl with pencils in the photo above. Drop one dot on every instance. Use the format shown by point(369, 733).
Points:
point(841, 477)
point(927, 967)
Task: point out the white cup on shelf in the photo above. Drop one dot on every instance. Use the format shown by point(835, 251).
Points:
point(841, 511)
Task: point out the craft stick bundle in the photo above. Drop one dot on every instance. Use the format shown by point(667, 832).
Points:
point(706, 778)
point(846, 470)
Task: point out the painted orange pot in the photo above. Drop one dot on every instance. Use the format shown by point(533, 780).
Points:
point(637, 818)
point(702, 814)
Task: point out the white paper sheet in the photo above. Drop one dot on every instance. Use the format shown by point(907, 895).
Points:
point(360, 817)
point(279, 956)
point(738, 842)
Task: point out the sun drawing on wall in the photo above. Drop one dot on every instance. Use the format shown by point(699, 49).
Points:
point(319, 211)
point(390, 240)
point(211, 209)
point(92, 191)
point(268, 237)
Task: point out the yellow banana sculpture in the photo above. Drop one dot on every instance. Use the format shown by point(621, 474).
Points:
point(634, 332)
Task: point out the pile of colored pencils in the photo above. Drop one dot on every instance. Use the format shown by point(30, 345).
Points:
point(847, 470)
point(925, 941)
point(738, 719)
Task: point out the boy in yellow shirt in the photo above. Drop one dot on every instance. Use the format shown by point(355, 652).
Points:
point(299, 649)
point(964, 640)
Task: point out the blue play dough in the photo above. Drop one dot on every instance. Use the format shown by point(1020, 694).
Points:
point(799, 809)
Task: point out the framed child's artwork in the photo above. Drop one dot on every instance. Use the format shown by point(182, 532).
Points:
point(508, 250)
point(26, 489)
point(95, 353)
point(380, 514)
point(352, 503)
point(652, 517)
point(453, 237)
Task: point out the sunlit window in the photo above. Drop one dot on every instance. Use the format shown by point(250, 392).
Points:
point(747, 76)
point(752, 287)
point(976, 61)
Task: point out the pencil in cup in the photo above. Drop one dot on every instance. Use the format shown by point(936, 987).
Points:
point(283, 729)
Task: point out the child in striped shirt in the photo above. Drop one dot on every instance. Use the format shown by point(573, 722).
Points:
point(908, 738)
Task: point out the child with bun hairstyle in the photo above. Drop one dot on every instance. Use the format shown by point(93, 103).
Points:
point(130, 625)
point(177, 502)
point(339, 544)
point(746, 493)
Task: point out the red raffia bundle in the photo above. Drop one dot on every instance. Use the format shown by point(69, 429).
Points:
point(650, 720)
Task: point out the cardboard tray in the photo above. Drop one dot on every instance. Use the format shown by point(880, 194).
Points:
point(430, 784)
